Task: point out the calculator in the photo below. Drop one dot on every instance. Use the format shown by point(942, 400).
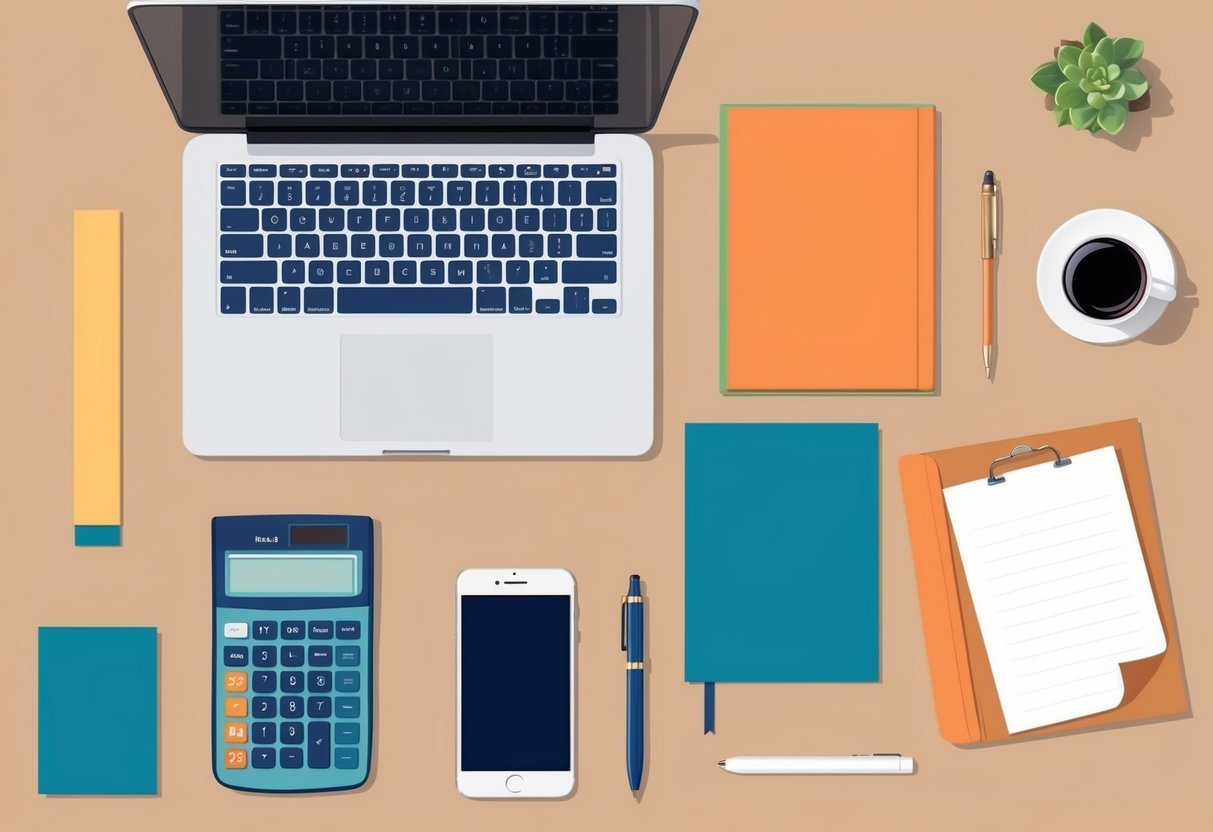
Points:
point(293, 617)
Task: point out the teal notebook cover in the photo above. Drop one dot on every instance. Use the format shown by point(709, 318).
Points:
point(97, 710)
point(782, 553)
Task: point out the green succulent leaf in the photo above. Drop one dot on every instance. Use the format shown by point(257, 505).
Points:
point(1068, 55)
point(1106, 49)
point(1112, 117)
point(1135, 84)
point(1113, 72)
point(1048, 77)
point(1128, 51)
point(1093, 35)
point(1096, 100)
point(1116, 91)
point(1098, 62)
point(1086, 85)
point(1072, 72)
point(1069, 95)
point(1062, 115)
point(1083, 117)
point(1086, 59)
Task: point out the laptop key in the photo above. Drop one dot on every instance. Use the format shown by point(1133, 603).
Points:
point(241, 245)
point(318, 300)
point(520, 300)
point(576, 300)
point(261, 300)
point(415, 300)
point(588, 271)
point(490, 299)
point(597, 245)
point(288, 300)
point(547, 306)
point(231, 193)
point(248, 271)
point(250, 47)
point(603, 306)
point(231, 300)
point(238, 219)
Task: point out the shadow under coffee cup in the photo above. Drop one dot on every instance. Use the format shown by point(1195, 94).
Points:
point(1108, 280)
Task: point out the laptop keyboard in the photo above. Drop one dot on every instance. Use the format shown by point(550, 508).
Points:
point(393, 60)
point(470, 239)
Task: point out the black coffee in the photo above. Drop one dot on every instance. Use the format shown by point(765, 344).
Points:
point(1105, 279)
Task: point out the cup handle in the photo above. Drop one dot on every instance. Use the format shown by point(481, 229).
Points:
point(1162, 291)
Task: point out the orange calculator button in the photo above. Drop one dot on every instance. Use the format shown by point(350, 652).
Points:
point(235, 706)
point(235, 758)
point(235, 732)
point(235, 681)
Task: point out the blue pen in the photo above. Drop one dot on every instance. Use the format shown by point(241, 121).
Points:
point(632, 637)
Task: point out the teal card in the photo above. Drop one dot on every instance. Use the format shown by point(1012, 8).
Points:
point(782, 553)
point(97, 710)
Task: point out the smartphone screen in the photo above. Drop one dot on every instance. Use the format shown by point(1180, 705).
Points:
point(516, 680)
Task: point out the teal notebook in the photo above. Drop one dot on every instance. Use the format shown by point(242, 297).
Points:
point(97, 710)
point(782, 553)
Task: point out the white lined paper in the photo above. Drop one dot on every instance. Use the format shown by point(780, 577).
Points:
point(1057, 577)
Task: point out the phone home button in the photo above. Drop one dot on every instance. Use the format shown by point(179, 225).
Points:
point(513, 783)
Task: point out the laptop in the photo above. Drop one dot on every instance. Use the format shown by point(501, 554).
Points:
point(416, 228)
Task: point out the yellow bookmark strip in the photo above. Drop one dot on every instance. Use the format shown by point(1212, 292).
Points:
point(97, 378)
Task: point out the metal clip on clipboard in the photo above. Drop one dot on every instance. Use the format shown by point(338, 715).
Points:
point(1024, 450)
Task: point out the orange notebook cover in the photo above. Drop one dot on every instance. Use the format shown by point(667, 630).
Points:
point(828, 237)
point(966, 700)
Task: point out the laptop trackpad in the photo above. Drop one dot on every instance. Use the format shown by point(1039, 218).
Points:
point(424, 388)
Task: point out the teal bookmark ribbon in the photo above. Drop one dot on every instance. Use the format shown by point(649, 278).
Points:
point(709, 707)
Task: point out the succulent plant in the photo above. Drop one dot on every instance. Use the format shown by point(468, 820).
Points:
point(1092, 86)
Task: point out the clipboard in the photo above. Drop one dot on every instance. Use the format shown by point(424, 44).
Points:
point(966, 700)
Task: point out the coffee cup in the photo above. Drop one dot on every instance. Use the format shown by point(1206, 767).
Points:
point(1108, 280)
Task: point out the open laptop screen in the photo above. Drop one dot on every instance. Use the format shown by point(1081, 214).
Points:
point(226, 67)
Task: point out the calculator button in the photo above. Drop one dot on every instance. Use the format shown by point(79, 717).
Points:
point(319, 681)
point(320, 629)
point(348, 707)
point(263, 758)
point(292, 707)
point(318, 745)
point(349, 656)
point(235, 706)
point(264, 707)
point(347, 733)
point(346, 681)
point(293, 630)
point(235, 732)
point(320, 655)
point(292, 655)
point(349, 629)
point(319, 707)
point(265, 733)
point(235, 681)
point(235, 758)
point(265, 681)
point(236, 630)
point(345, 758)
point(292, 681)
point(292, 733)
point(235, 656)
point(290, 758)
point(265, 655)
point(265, 630)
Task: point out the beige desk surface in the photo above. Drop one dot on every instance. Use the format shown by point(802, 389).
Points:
point(85, 126)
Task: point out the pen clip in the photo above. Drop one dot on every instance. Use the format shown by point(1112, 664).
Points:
point(994, 217)
point(623, 623)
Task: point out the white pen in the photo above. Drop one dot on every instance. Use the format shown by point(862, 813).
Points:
point(854, 764)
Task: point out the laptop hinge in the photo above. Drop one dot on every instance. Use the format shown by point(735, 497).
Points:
point(344, 131)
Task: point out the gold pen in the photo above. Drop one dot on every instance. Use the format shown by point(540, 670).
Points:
point(989, 242)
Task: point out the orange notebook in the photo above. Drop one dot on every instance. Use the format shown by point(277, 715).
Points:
point(828, 248)
point(967, 704)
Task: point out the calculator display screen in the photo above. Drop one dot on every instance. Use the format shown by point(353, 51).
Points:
point(295, 574)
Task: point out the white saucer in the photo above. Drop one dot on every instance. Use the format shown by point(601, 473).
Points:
point(1119, 225)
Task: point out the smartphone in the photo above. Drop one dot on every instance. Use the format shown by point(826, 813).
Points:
point(516, 643)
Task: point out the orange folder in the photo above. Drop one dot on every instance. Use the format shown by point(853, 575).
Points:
point(966, 700)
point(828, 258)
